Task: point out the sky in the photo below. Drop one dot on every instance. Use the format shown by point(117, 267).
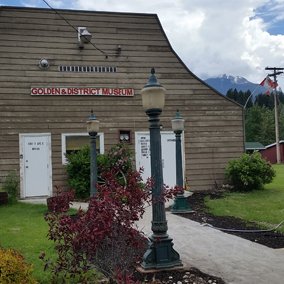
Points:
point(212, 37)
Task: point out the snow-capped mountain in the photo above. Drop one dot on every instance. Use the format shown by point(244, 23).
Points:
point(225, 82)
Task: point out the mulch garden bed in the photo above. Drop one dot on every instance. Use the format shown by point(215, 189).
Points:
point(191, 276)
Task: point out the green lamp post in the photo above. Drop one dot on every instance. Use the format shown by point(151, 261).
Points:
point(160, 253)
point(93, 126)
point(180, 203)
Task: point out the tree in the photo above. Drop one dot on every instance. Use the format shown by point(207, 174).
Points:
point(281, 121)
point(264, 100)
point(259, 116)
point(248, 97)
point(253, 124)
point(240, 97)
point(259, 125)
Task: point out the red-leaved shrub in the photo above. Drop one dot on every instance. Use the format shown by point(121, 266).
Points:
point(104, 237)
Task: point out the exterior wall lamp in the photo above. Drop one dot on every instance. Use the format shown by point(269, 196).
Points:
point(160, 253)
point(84, 36)
point(93, 126)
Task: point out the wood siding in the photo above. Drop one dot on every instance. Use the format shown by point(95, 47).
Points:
point(214, 124)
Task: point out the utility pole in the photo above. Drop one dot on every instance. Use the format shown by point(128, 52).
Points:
point(276, 71)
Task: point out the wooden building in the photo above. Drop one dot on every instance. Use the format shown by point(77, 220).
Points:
point(269, 152)
point(49, 82)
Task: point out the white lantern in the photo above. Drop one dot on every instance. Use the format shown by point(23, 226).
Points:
point(93, 125)
point(153, 94)
point(178, 123)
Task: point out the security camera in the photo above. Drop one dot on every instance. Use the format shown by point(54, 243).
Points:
point(43, 63)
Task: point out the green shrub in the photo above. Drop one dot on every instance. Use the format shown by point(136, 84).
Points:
point(249, 172)
point(78, 167)
point(11, 186)
point(14, 269)
point(78, 172)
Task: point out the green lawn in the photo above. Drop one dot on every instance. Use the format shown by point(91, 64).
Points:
point(22, 227)
point(265, 207)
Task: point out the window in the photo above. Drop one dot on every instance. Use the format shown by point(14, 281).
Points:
point(77, 68)
point(72, 142)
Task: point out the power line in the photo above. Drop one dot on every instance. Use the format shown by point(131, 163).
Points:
point(276, 72)
point(63, 18)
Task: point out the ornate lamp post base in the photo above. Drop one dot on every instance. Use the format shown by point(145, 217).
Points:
point(160, 254)
point(181, 205)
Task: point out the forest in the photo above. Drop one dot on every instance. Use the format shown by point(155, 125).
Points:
point(259, 115)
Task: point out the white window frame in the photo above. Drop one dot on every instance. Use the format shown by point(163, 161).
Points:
point(63, 143)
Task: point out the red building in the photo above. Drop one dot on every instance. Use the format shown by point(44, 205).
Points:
point(269, 153)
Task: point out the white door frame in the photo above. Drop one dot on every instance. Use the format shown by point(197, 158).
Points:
point(23, 191)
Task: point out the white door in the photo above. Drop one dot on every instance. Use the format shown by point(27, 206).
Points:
point(142, 149)
point(169, 158)
point(35, 165)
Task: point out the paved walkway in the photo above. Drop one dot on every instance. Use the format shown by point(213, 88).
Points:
point(236, 260)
